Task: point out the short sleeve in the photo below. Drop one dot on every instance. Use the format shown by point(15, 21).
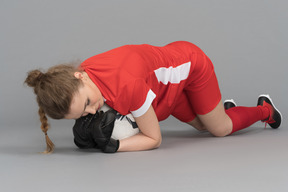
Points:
point(135, 98)
point(145, 106)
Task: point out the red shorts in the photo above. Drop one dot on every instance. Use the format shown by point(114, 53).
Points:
point(201, 94)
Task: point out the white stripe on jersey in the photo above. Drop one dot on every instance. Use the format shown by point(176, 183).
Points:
point(149, 99)
point(173, 75)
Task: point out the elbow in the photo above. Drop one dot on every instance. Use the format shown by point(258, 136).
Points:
point(157, 143)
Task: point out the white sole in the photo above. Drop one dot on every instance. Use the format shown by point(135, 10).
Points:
point(230, 100)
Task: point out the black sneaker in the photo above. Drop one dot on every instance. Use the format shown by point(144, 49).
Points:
point(229, 103)
point(275, 117)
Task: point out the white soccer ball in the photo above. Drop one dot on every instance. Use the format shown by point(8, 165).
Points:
point(124, 126)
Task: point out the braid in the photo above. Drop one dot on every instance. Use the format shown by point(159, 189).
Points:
point(54, 91)
point(45, 127)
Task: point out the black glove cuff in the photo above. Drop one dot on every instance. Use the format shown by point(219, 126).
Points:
point(112, 146)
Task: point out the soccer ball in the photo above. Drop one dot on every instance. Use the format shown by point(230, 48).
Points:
point(124, 126)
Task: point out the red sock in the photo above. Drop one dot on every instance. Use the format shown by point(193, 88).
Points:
point(243, 117)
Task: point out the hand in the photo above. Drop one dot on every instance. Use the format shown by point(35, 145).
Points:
point(94, 131)
point(82, 134)
point(101, 127)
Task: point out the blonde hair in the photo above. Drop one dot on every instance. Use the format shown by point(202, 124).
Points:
point(54, 92)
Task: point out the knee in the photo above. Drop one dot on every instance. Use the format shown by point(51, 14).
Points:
point(201, 128)
point(221, 131)
point(220, 134)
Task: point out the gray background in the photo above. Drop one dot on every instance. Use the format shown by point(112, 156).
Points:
point(245, 39)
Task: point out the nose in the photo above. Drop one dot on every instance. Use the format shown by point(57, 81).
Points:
point(90, 109)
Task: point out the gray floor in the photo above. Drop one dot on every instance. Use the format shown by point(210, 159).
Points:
point(247, 42)
point(254, 159)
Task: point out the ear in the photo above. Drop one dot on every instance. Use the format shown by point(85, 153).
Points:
point(78, 75)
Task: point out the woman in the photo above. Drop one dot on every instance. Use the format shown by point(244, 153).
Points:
point(151, 83)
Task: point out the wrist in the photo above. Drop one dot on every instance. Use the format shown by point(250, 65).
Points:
point(112, 146)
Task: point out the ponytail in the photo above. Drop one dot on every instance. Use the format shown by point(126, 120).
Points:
point(45, 127)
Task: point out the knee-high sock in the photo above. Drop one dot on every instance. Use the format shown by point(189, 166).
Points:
point(243, 117)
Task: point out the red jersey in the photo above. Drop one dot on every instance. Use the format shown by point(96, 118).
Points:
point(133, 77)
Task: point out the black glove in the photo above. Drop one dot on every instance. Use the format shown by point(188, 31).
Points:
point(102, 128)
point(82, 133)
point(94, 131)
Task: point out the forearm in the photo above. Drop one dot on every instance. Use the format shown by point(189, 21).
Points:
point(149, 136)
point(139, 142)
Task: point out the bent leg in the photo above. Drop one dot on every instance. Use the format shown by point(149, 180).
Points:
point(217, 122)
point(204, 96)
point(221, 123)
